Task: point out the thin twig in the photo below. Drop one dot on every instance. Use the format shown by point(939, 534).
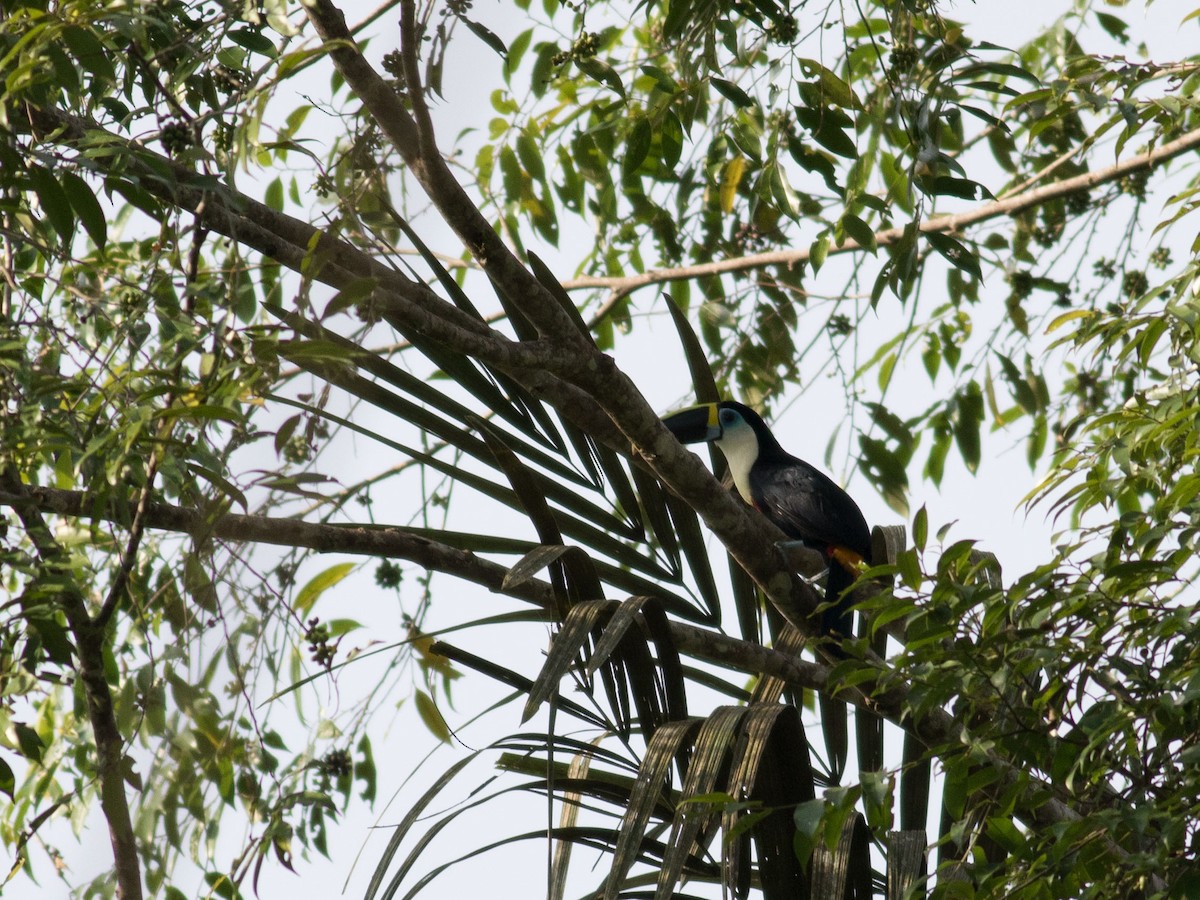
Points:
point(620, 286)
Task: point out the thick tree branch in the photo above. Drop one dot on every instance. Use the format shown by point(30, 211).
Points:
point(308, 251)
point(415, 142)
point(357, 540)
point(621, 285)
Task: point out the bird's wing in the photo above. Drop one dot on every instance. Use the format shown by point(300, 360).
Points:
point(808, 506)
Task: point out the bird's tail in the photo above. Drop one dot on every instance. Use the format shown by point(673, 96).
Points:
point(837, 619)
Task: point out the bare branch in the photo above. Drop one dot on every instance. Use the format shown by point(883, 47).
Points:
point(621, 285)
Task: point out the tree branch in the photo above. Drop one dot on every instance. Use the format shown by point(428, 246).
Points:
point(1040, 802)
point(90, 637)
point(621, 285)
point(415, 142)
point(312, 253)
point(357, 540)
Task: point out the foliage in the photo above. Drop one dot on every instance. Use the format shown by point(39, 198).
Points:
point(222, 280)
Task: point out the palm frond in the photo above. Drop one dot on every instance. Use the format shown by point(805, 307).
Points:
point(845, 871)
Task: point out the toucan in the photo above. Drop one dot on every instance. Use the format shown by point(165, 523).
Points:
point(800, 500)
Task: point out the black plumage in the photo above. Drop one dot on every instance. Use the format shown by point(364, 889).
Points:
point(803, 502)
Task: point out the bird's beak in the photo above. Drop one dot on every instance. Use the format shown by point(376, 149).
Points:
point(696, 424)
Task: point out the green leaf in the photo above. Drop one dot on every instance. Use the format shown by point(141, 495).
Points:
point(486, 35)
point(516, 52)
point(920, 528)
point(432, 717)
point(1117, 27)
point(514, 176)
point(782, 192)
point(818, 251)
point(732, 93)
point(277, 17)
point(637, 145)
point(349, 297)
point(860, 231)
point(1003, 70)
point(319, 584)
point(956, 253)
point(963, 188)
point(28, 741)
point(833, 88)
point(8, 781)
point(253, 41)
point(86, 48)
point(54, 201)
point(87, 207)
point(274, 194)
point(968, 421)
point(603, 73)
point(825, 127)
point(807, 818)
point(339, 627)
point(530, 156)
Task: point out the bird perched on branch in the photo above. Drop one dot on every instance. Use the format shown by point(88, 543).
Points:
point(800, 500)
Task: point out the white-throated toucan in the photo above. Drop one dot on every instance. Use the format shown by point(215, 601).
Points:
point(802, 501)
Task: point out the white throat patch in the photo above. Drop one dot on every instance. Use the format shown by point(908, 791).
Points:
point(740, 447)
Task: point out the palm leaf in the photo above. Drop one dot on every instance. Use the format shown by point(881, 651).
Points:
point(578, 624)
point(905, 864)
point(520, 396)
point(703, 381)
point(654, 504)
point(844, 871)
point(512, 679)
point(914, 785)
point(577, 774)
point(868, 727)
point(322, 358)
point(773, 767)
point(673, 678)
point(708, 766)
point(791, 641)
point(669, 743)
point(835, 730)
point(622, 488)
point(691, 540)
point(410, 818)
point(532, 743)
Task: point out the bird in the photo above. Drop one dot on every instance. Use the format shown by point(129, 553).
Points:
point(799, 499)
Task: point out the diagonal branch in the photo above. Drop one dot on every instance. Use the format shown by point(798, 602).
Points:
point(415, 142)
point(307, 250)
point(621, 285)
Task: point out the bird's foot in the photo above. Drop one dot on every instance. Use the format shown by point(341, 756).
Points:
point(794, 560)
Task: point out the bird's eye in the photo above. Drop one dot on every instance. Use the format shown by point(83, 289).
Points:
point(728, 417)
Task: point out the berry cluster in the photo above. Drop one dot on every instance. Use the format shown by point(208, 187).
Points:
point(176, 137)
point(319, 648)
